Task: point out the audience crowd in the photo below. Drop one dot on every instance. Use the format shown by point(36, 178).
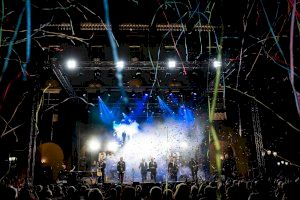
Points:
point(279, 188)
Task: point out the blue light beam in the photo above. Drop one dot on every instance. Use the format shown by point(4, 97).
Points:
point(106, 115)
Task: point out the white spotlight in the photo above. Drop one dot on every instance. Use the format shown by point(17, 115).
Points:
point(184, 145)
point(217, 64)
point(172, 64)
point(269, 152)
point(275, 153)
point(12, 159)
point(120, 65)
point(71, 64)
point(112, 146)
point(93, 145)
point(286, 163)
point(278, 163)
point(166, 144)
point(43, 160)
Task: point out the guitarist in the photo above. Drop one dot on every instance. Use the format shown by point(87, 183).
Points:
point(121, 167)
point(101, 170)
point(194, 168)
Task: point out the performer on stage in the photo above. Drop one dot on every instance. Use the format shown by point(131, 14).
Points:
point(63, 174)
point(152, 169)
point(143, 167)
point(101, 170)
point(121, 167)
point(229, 166)
point(173, 169)
point(194, 168)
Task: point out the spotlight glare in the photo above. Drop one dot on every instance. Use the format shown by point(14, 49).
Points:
point(12, 159)
point(166, 144)
point(184, 145)
point(93, 145)
point(120, 65)
point(286, 163)
point(217, 64)
point(275, 153)
point(172, 64)
point(269, 152)
point(278, 163)
point(71, 64)
point(112, 146)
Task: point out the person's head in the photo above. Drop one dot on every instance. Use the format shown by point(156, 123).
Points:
point(128, 193)
point(194, 190)
point(182, 192)
point(121, 158)
point(143, 160)
point(167, 194)
point(95, 194)
point(192, 159)
point(152, 159)
point(113, 193)
point(155, 193)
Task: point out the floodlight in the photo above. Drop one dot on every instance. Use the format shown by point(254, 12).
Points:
point(269, 152)
point(120, 65)
point(93, 145)
point(172, 64)
point(217, 64)
point(112, 146)
point(71, 64)
point(12, 159)
point(275, 153)
point(286, 163)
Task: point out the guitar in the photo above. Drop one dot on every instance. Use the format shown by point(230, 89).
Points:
point(101, 166)
point(99, 171)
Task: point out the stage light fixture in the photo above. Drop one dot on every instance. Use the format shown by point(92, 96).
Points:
point(71, 64)
point(278, 163)
point(217, 64)
point(274, 153)
point(172, 64)
point(269, 152)
point(286, 163)
point(120, 65)
point(12, 159)
point(97, 73)
point(93, 145)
